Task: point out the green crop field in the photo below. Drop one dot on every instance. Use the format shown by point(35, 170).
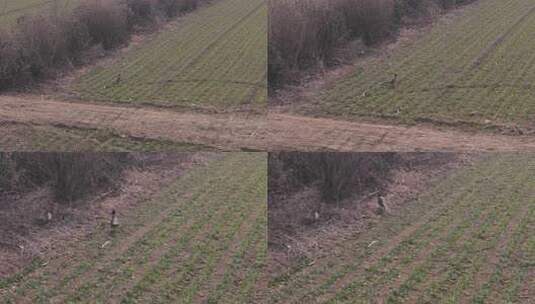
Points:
point(467, 239)
point(214, 57)
point(476, 67)
point(11, 10)
point(203, 238)
point(20, 137)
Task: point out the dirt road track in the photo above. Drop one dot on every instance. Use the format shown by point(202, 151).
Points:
point(239, 131)
point(327, 134)
point(221, 131)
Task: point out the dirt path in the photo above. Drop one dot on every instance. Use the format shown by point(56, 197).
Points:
point(241, 131)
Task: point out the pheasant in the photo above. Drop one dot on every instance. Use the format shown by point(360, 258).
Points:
point(114, 221)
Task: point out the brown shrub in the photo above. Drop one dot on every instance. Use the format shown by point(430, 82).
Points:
point(175, 7)
point(40, 45)
point(37, 45)
point(372, 20)
point(9, 60)
point(305, 34)
point(336, 175)
point(71, 176)
point(301, 34)
point(106, 22)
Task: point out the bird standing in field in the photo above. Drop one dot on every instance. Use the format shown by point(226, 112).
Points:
point(381, 208)
point(393, 81)
point(118, 79)
point(114, 223)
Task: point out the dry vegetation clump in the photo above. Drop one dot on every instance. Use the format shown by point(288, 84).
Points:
point(336, 175)
point(143, 12)
point(41, 45)
point(306, 34)
point(72, 177)
point(37, 45)
point(172, 8)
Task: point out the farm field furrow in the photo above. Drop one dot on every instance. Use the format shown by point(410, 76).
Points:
point(202, 237)
point(237, 132)
point(474, 67)
point(464, 239)
point(215, 57)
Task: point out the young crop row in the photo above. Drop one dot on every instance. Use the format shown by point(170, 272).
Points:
point(473, 67)
point(213, 57)
point(11, 10)
point(436, 248)
point(202, 237)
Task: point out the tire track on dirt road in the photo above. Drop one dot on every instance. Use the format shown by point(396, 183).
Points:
point(227, 132)
point(239, 131)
